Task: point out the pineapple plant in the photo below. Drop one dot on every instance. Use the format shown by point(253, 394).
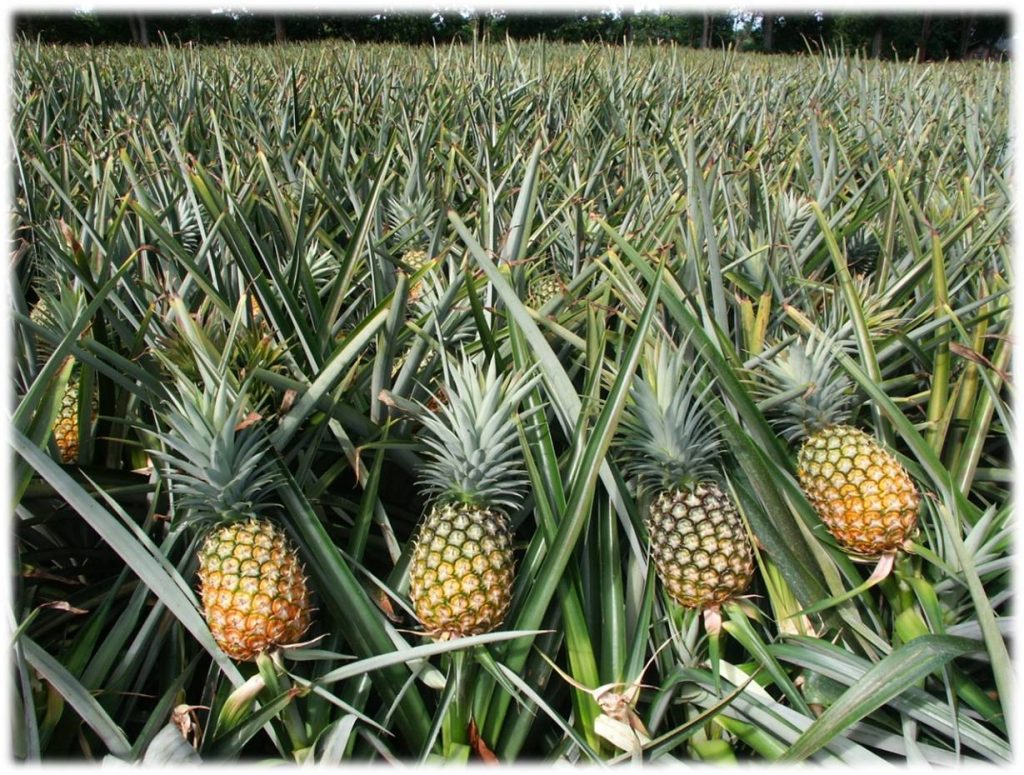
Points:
point(57, 312)
point(862, 493)
point(196, 342)
point(548, 276)
point(572, 152)
point(254, 593)
point(410, 219)
point(698, 541)
point(462, 563)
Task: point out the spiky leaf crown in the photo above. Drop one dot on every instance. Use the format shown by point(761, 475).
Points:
point(410, 218)
point(881, 313)
point(471, 440)
point(56, 310)
point(667, 434)
point(220, 471)
point(553, 263)
point(58, 306)
point(794, 212)
point(806, 390)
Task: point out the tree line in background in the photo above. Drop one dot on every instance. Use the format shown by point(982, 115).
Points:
point(929, 36)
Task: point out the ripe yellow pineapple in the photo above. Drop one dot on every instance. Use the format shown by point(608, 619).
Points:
point(254, 593)
point(253, 588)
point(698, 541)
point(462, 563)
point(860, 490)
point(65, 427)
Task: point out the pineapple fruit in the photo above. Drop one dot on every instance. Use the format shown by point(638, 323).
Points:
point(463, 569)
point(862, 493)
point(65, 427)
point(542, 289)
point(57, 313)
point(255, 595)
point(196, 342)
point(253, 589)
point(415, 258)
point(462, 563)
point(698, 542)
point(699, 545)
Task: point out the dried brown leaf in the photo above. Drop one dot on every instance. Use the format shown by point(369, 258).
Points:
point(479, 746)
point(250, 419)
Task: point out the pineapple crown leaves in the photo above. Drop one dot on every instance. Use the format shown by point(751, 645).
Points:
point(805, 389)
point(668, 437)
point(217, 461)
point(882, 314)
point(58, 307)
point(197, 349)
point(472, 441)
point(56, 311)
point(794, 212)
point(409, 218)
point(321, 263)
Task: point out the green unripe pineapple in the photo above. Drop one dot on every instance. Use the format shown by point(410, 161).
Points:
point(415, 259)
point(542, 289)
point(462, 563)
point(196, 341)
point(698, 542)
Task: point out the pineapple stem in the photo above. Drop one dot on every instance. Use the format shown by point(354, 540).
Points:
point(713, 625)
point(271, 669)
point(455, 727)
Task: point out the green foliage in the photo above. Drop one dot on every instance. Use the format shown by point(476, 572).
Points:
point(228, 215)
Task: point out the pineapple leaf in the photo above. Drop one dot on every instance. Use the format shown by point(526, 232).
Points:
point(668, 437)
point(220, 471)
point(471, 441)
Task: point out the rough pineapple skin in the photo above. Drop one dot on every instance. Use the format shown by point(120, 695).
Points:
point(416, 258)
point(861, 492)
point(699, 546)
point(462, 570)
point(543, 288)
point(254, 592)
point(65, 427)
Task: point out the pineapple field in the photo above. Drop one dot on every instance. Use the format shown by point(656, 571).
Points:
point(509, 402)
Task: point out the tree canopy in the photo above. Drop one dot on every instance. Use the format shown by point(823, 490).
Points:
point(924, 36)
